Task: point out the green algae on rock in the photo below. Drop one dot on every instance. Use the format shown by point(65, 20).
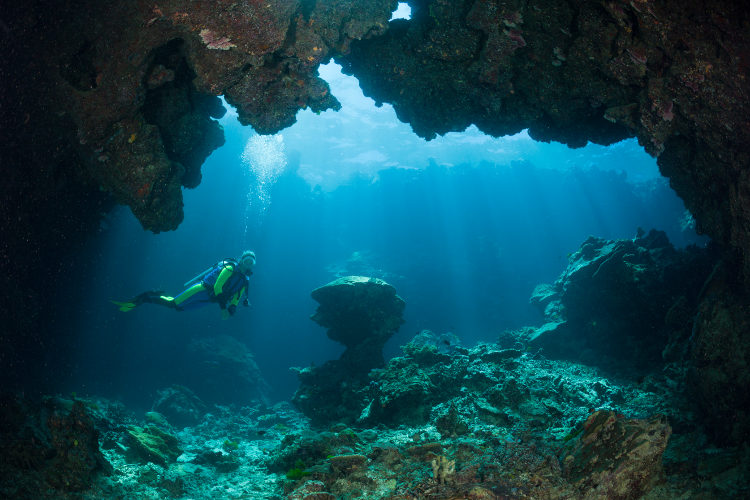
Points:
point(151, 444)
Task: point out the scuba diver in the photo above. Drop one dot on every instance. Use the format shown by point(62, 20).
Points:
point(224, 283)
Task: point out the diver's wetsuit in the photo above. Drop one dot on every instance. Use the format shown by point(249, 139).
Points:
point(224, 285)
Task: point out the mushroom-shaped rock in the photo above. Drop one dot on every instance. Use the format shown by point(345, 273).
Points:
point(358, 309)
point(362, 313)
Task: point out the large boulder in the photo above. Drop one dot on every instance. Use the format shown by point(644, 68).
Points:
point(622, 304)
point(180, 406)
point(222, 370)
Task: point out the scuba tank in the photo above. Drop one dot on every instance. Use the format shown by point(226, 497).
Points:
point(202, 275)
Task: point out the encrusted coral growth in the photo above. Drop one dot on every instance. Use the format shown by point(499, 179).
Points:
point(152, 444)
point(49, 447)
point(530, 435)
point(443, 469)
point(214, 41)
point(511, 407)
point(617, 458)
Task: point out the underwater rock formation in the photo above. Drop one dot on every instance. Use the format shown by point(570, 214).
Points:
point(152, 444)
point(180, 406)
point(490, 422)
point(719, 376)
point(617, 458)
point(124, 95)
point(622, 304)
point(467, 389)
point(362, 313)
point(639, 306)
point(503, 424)
point(52, 445)
point(221, 370)
point(673, 74)
point(136, 85)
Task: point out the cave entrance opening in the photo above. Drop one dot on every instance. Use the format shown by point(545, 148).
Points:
point(364, 140)
point(403, 11)
point(358, 192)
point(464, 226)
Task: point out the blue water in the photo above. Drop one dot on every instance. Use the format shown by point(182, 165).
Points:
point(464, 227)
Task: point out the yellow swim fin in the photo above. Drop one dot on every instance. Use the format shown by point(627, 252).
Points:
point(125, 306)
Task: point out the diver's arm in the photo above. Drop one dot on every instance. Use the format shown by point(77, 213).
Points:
point(222, 278)
point(246, 300)
point(235, 299)
point(230, 307)
point(232, 304)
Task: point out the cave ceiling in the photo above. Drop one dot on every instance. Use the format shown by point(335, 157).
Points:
point(125, 93)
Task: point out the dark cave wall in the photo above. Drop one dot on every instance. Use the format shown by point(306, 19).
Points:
point(112, 102)
point(137, 81)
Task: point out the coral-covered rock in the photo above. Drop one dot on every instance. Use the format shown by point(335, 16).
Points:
point(77, 458)
point(615, 457)
point(151, 444)
point(221, 370)
point(402, 392)
point(54, 446)
point(641, 303)
point(329, 393)
point(311, 490)
point(362, 313)
point(450, 424)
point(299, 450)
point(180, 406)
point(344, 465)
point(618, 303)
point(719, 376)
point(273, 452)
point(359, 312)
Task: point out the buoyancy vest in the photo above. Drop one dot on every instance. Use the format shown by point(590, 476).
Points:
point(236, 282)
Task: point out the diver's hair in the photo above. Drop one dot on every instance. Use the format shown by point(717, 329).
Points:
point(246, 253)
